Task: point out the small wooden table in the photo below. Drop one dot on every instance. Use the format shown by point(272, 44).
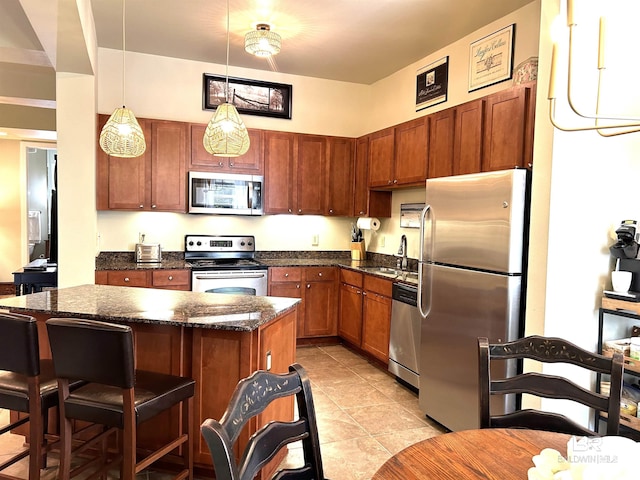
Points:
point(492, 454)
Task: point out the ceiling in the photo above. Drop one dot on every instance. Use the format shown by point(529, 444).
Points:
point(360, 41)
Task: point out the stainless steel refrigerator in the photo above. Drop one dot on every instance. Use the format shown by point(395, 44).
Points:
point(472, 274)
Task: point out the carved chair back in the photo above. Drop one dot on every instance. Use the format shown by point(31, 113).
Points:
point(251, 397)
point(548, 350)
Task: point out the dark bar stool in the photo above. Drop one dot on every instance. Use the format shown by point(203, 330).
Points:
point(28, 385)
point(117, 396)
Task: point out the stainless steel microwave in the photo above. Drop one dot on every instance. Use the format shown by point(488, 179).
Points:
point(226, 194)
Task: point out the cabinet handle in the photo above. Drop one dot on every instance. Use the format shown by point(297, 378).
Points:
point(230, 163)
point(141, 206)
point(153, 206)
point(126, 279)
point(389, 182)
point(299, 210)
point(220, 164)
point(364, 293)
point(170, 277)
point(361, 212)
point(319, 274)
point(298, 286)
point(286, 274)
point(395, 181)
point(289, 210)
point(330, 210)
point(308, 285)
point(358, 292)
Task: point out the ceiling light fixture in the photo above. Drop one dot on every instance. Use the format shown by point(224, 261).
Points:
point(122, 136)
point(262, 42)
point(226, 135)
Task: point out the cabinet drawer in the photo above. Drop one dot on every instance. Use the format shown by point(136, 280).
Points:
point(178, 279)
point(318, 274)
point(351, 277)
point(285, 274)
point(127, 278)
point(378, 285)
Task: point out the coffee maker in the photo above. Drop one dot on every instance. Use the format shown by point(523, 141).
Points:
point(627, 244)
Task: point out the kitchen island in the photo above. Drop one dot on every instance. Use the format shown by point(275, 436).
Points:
point(215, 339)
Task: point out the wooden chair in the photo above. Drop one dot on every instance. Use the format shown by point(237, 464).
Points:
point(252, 396)
point(548, 350)
point(116, 395)
point(27, 385)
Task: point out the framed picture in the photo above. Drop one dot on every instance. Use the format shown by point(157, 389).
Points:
point(252, 97)
point(431, 84)
point(491, 58)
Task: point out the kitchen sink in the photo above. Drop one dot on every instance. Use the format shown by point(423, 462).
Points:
point(392, 272)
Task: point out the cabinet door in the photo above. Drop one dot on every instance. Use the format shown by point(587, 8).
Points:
point(320, 309)
point(279, 156)
point(310, 174)
point(168, 166)
point(506, 124)
point(291, 290)
point(361, 184)
point(171, 279)
point(127, 278)
point(411, 139)
point(251, 162)
point(381, 154)
point(350, 318)
point(200, 160)
point(122, 182)
point(340, 172)
point(467, 142)
point(441, 143)
point(376, 325)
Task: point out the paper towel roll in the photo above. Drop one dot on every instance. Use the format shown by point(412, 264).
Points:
point(368, 223)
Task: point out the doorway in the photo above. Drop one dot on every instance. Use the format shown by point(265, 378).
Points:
point(42, 222)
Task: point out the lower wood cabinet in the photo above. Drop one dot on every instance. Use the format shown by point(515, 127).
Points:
point(317, 288)
point(350, 317)
point(174, 279)
point(376, 316)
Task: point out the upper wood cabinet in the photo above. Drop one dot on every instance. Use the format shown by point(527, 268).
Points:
point(398, 155)
point(310, 173)
point(154, 181)
point(280, 149)
point(468, 136)
point(340, 170)
point(441, 137)
point(411, 149)
point(366, 202)
point(251, 162)
point(508, 129)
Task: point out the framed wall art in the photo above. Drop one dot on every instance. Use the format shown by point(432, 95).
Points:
point(252, 97)
point(491, 58)
point(431, 84)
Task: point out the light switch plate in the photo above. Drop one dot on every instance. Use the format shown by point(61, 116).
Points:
point(315, 240)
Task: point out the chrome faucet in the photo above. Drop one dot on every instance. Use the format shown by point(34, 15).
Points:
point(402, 252)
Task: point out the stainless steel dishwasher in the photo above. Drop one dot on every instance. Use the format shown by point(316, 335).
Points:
point(404, 340)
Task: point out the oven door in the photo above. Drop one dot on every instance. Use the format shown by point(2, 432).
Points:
point(235, 282)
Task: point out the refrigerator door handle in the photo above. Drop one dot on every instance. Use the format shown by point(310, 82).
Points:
point(421, 264)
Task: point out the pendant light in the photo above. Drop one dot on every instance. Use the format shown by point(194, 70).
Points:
point(122, 136)
point(226, 135)
point(262, 42)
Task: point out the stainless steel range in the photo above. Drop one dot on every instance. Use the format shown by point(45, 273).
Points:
point(225, 264)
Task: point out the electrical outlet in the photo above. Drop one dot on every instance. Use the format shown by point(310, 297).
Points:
point(382, 240)
point(315, 240)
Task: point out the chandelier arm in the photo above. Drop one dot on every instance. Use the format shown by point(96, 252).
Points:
point(123, 51)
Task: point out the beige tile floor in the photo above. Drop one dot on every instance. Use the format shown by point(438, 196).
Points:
point(364, 416)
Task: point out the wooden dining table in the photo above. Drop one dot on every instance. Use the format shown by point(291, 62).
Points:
point(492, 453)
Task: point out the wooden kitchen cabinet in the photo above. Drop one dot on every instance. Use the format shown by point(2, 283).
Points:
point(167, 279)
point(154, 181)
point(508, 129)
point(339, 174)
point(441, 142)
point(411, 150)
point(251, 163)
point(310, 174)
point(279, 160)
point(317, 288)
point(376, 317)
point(366, 202)
point(350, 316)
point(468, 137)
point(381, 156)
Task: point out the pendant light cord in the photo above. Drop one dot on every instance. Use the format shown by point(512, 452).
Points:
point(227, 65)
point(123, 49)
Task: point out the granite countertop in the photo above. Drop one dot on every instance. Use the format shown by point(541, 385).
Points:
point(146, 305)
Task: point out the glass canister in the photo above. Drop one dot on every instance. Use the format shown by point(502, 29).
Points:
point(634, 349)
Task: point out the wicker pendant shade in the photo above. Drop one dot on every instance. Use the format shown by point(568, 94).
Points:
point(122, 136)
point(226, 135)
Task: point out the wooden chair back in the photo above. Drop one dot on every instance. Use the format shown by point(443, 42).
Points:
point(547, 350)
point(251, 397)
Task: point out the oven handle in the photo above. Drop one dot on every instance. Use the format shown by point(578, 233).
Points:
point(226, 276)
